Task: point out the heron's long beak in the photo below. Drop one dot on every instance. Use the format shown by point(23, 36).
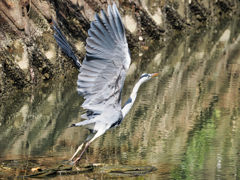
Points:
point(154, 74)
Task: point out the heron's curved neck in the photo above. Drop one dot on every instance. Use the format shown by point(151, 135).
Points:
point(127, 106)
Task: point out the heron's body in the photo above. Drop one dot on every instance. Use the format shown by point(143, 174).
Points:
point(98, 122)
point(102, 74)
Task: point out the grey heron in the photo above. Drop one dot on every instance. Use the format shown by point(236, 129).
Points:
point(102, 75)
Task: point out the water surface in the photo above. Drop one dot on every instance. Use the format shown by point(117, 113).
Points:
point(185, 122)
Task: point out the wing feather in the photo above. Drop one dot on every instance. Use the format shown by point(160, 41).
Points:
point(112, 22)
point(119, 24)
point(62, 42)
point(95, 44)
point(108, 26)
point(94, 69)
point(85, 84)
point(99, 39)
point(107, 60)
point(95, 64)
point(100, 25)
point(86, 78)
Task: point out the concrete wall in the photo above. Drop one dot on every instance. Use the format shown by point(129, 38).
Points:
point(29, 53)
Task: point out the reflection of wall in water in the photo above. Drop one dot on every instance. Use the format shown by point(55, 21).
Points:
point(166, 110)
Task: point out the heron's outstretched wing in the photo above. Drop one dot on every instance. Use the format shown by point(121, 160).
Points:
point(107, 60)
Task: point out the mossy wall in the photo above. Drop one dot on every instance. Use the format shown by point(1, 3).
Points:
point(29, 53)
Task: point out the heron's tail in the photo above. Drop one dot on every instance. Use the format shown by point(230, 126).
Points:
point(62, 42)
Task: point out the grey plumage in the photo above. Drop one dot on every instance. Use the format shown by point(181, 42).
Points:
point(62, 42)
point(102, 74)
point(104, 69)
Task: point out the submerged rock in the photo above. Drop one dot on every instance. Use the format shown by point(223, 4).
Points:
point(33, 170)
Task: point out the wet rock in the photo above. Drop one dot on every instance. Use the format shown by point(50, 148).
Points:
point(12, 71)
point(30, 53)
point(174, 18)
point(199, 11)
point(149, 26)
point(225, 5)
point(124, 170)
point(44, 66)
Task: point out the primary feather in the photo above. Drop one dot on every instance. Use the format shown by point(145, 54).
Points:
point(62, 42)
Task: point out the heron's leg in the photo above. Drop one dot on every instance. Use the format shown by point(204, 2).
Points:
point(99, 133)
point(90, 136)
point(88, 143)
point(78, 149)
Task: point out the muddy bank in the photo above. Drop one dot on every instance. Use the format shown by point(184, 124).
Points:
point(30, 55)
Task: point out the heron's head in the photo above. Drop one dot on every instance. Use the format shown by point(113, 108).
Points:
point(145, 77)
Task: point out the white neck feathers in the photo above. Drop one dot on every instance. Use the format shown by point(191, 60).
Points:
point(131, 100)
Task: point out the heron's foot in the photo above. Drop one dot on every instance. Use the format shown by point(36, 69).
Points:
point(76, 162)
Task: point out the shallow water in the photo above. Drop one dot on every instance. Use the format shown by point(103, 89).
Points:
point(185, 122)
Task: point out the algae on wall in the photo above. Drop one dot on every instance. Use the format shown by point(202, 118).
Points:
point(29, 53)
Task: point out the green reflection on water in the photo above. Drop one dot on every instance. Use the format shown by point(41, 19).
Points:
point(198, 145)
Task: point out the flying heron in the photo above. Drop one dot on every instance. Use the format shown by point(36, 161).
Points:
point(102, 75)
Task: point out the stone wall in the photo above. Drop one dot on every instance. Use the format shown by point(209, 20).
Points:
point(30, 55)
